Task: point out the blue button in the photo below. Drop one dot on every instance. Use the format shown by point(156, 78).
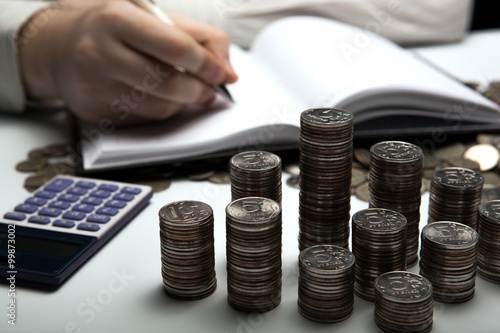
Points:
point(108, 187)
point(83, 208)
point(88, 227)
point(123, 196)
point(86, 184)
point(25, 208)
point(14, 216)
point(100, 194)
point(77, 190)
point(52, 212)
point(131, 190)
point(98, 218)
point(69, 197)
point(58, 185)
point(39, 219)
point(59, 204)
point(45, 194)
point(92, 201)
point(63, 223)
point(115, 203)
point(36, 201)
point(107, 211)
point(72, 215)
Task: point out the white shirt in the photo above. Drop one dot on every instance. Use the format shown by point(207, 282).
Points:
point(402, 21)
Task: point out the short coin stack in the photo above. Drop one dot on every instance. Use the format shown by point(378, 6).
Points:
point(488, 248)
point(187, 249)
point(395, 183)
point(403, 302)
point(448, 260)
point(379, 245)
point(455, 195)
point(325, 162)
point(255, 174)
point(253, 250)
point(326, 283)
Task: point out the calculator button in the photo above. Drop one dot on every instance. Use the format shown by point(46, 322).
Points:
point(72, 215)
point(58, 185)
point(83, 208)
point(25, 208)
point(100, 194)
point(107, 211)
point(88, 227)
point(123, 196)
point(14, 216)
point(85, 184)
point(39, 219)
point(98, 218)
point(115, 203)
point(77, 191)
point(36, 201)
point(59, 204)
point(45, 194)
point(108, 187)
point(92, 201)
point(52, 212)
point(69, 197)
point(131, 190)
point(63, 223)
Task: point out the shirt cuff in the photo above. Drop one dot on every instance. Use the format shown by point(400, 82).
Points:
point(13, 15)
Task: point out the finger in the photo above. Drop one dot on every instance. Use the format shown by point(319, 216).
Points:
point(142, 31)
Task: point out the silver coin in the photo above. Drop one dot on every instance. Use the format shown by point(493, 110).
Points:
point(486, 155)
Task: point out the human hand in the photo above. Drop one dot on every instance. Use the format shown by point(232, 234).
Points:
point(114, 60)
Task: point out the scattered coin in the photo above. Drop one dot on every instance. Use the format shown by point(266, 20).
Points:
point(32, 164)
point(362, 155)
point(486, 155)
point(492, 178)
point(157, 185)
point(293, 181)
point(293, 169)
point(358, 177)
point(55, 150)
point(362, 192)
point(204, 175)
point(455, 150)
point(490, 193)
point(220, 177)
point(461, 163)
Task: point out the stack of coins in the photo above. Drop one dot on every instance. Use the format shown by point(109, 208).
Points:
point(379, 245)
point(255, 174)
point(403, 302)
point(395, 183)
point(455, 195)
point(448, 260)
point(488, 248)
point(187, 249)
point(325, 162)
point(326, 283)
point(253, 249)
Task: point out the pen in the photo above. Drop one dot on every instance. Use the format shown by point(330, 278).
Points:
point(150, 7)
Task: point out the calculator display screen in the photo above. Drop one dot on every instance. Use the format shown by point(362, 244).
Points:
point(40, 245)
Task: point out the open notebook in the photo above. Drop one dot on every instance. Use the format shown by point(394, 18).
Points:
point(298, 63)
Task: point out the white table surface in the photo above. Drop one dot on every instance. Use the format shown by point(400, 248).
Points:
point(120, 288)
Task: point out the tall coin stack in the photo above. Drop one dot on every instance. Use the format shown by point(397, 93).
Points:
point(455, 195)
point(255, 174)
point(325, 162)
point(448, 260)
point(403, 302)
point(253, 250)
point(488, 249)
point(187, 249)
point(395, 183)
point(326, 283)
point(379, 245)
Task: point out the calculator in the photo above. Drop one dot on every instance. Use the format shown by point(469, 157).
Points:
point(49, 235)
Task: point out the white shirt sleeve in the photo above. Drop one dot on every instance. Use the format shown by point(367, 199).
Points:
point(402, 21)
point(13, 14)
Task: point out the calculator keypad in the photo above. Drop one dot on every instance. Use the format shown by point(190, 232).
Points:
point(67, 203)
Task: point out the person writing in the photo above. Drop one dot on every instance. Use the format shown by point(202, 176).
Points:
point(112, 59)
